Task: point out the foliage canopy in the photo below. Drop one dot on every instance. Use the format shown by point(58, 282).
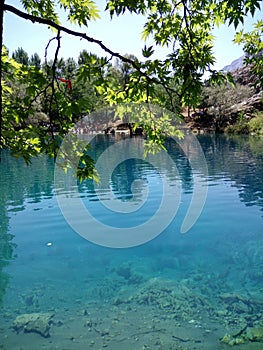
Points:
point(29, 88)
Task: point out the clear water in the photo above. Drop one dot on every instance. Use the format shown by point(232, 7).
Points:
point(174, 292)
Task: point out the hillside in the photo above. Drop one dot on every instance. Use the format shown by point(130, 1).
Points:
point(225, 106)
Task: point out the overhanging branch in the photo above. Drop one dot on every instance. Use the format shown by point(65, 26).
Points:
point(73, 33)
point(60, 28)
point(1, 48)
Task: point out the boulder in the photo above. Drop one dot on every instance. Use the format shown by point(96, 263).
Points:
point(254, 334)
point(34, 322)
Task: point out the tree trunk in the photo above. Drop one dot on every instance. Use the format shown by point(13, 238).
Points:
point(1, 44)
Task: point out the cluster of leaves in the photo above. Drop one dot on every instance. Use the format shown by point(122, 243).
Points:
point(185, 26)
point(37, 109)
point(79, 11)
point(253, 47)
point(16, 135)
point(157, 123)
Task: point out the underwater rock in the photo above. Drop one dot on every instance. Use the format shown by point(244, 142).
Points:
point(34, 322)
point(124, 271)
point(173, 298)
point(230, 340)
point(131, 276)
point(234, 298)
point(254, 334)
point(31, 300)
point(226, 338)
point(250, 334)
point(237, 303)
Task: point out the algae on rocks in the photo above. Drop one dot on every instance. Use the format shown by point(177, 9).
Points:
point(250, 334)
point(34, 322)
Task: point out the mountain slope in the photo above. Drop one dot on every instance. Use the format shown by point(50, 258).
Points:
point(236, 64)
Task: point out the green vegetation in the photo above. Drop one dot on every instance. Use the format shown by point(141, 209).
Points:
point(253, 46)
point(38, 108)
point(253, 126)
point(256, 124)
point(241, 126)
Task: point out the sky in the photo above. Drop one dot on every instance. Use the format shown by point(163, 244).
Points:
point(122, 35)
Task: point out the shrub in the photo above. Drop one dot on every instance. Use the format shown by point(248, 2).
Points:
point(240, 127)
point(256, 124)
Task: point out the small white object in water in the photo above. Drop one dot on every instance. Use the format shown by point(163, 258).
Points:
point(49, 244)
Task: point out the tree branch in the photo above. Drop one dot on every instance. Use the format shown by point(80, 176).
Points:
point(53, 96)
point(71, 32)
point(85, 37)
point(1, 48)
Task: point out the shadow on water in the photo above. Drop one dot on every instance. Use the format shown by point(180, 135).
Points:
point(202, 290)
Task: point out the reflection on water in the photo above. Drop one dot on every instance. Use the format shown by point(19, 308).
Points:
point(201, 290)
point(240, 159)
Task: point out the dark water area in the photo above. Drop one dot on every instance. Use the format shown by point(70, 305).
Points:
point(198, 290)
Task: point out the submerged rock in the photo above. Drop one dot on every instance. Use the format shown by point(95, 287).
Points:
point(230, 340)
point(250, 334)
point(254, 334)
point(34, 322)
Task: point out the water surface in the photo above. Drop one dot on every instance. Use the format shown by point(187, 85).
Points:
point(175, 292)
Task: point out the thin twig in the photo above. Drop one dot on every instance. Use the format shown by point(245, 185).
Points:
point(53, 95)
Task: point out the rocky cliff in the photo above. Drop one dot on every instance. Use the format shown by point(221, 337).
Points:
point(254, 101)
point(225, 105)
point(236, 64)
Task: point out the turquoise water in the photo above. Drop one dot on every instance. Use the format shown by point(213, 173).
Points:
point(177, 291)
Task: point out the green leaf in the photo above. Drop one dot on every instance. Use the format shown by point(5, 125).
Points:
point(147, 52)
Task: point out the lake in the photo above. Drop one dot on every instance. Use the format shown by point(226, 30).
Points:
point(130, 279)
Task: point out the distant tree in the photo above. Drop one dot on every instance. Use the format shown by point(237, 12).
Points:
point(90, 80)
point(66, 68)
point(35, 61)
point(21, 56)
point(125, 69)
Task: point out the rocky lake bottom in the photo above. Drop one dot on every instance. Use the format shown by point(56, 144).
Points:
point(131, 306)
